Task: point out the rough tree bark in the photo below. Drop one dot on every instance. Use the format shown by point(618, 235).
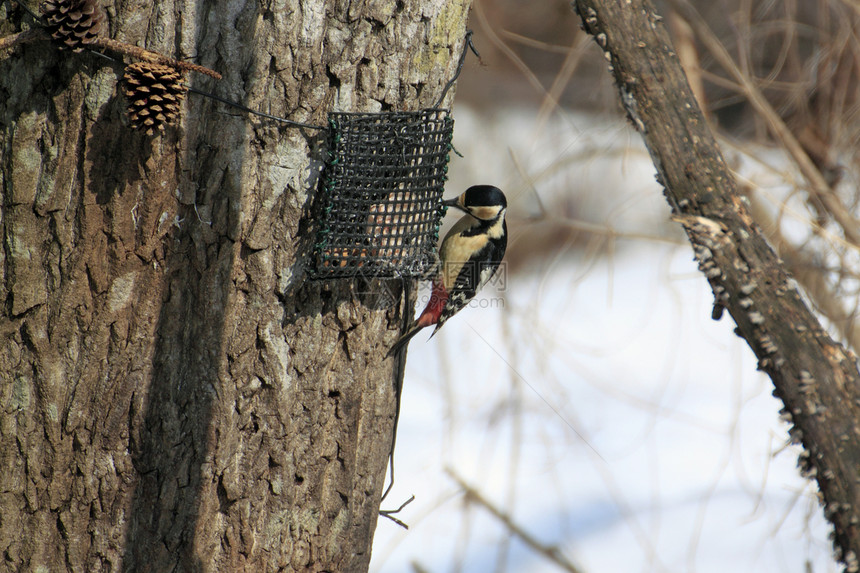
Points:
point(176, 395)
point(816, 378)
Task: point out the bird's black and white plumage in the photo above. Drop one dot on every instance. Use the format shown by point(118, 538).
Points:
point(470, 255)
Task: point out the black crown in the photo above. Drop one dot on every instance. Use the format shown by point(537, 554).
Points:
point(484, 196)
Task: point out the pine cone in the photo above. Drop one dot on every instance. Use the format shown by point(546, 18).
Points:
point(74, 23)
point(154, 93)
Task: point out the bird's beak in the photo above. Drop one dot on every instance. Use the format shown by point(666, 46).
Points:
point(455, 202)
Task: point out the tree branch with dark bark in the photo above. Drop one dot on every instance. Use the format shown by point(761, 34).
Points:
point(814, 376)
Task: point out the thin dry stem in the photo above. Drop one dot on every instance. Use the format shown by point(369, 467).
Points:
point(533, 43)
point(562, 79)
point(30, 35)
point(506, 50)
point(550, 552)
point(818, 185)
point(153, 57)
point(808, 274)
point(685, 46)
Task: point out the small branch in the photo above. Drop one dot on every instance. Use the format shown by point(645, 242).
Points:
point(685, 44)
point(551, 552)
point(148, 56)
point(808, 274)
point(39, 33)
point(389, 513)
point(30, 35)
point(818, 184)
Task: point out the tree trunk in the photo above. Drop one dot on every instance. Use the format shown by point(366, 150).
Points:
point(815, 377)
point(177, 394)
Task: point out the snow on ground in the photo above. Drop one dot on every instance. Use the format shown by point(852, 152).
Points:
point(592, 400)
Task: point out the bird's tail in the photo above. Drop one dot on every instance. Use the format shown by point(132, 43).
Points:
point(430, 315)
point(404, 340)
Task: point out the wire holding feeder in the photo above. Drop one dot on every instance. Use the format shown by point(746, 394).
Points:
point(255, 112)
point(468, 45)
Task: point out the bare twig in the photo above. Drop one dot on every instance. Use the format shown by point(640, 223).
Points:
point(389, 513)
point(550, 552)
point(808, 274)
point(30, 35)
point(39, 33)
point(506, 50)
point(553, 96)
point(148, 56)
point(818, 185)
point(688, 54)
point(534, 43)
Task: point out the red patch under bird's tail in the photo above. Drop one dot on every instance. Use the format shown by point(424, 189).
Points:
point(430, 315)
point(433, 310)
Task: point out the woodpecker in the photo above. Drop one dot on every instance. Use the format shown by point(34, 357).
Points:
point(470, 255)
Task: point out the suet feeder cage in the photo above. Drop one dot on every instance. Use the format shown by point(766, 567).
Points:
point(382, 186)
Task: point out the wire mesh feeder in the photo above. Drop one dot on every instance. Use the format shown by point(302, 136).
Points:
point(383, 183)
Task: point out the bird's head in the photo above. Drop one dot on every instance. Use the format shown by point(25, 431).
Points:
point(483, 202)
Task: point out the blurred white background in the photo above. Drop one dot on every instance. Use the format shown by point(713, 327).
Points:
point(586, 414)
point(592, 401)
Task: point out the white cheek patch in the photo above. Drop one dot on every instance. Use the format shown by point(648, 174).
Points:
point(485, 213)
